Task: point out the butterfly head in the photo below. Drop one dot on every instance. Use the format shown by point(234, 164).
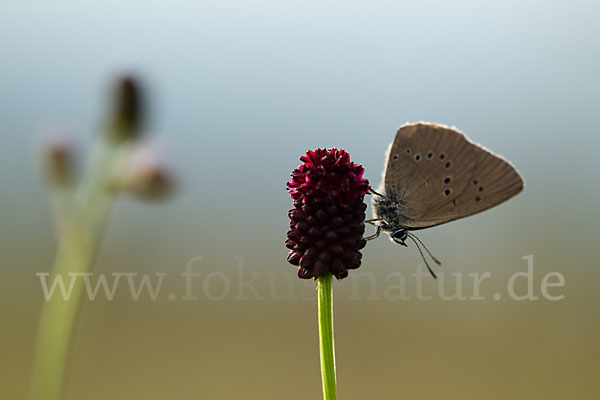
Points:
point(399, 236)
point(388, 219)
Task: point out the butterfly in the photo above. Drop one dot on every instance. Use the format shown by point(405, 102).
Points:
point(434, 174)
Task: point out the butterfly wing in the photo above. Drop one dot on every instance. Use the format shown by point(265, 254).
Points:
point(438, 175)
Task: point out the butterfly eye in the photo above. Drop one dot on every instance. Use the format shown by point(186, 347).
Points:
point(399, 236)
point(407, 150)
point(395, 156)
point(442, 156)
point(448, 164)
point(481, 188)
point(430, 155)
point(447, 180)
point(417, 157)
point(447, 192)
point(477, 198)
point(475, 182)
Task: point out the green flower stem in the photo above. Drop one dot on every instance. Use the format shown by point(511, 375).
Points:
point(77, 249)
point(326, 337)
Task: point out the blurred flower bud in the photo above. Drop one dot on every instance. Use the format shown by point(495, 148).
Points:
point(59, 161)
point(128, 111)
point(146, 176)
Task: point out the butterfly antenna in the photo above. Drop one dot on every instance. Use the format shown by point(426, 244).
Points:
point(438, 262)
point(423, 257)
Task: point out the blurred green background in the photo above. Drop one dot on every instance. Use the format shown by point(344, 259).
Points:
point(238, 91)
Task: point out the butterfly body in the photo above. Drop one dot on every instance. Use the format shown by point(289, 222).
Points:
point(388, 211)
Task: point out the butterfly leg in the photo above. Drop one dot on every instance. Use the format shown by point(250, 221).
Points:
point(374, 192)
point(375, 235)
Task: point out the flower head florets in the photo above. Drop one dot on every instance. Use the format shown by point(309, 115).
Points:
point(327, 221)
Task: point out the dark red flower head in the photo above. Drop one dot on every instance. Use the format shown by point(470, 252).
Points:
point(327, 221)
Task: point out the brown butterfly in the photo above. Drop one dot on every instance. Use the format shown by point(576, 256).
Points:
point(435, 174)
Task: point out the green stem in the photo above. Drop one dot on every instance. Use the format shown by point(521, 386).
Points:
point(326, 337)
point(77, 249)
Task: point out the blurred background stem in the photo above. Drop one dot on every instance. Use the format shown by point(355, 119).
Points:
point(326, 342)
point(78, 246)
